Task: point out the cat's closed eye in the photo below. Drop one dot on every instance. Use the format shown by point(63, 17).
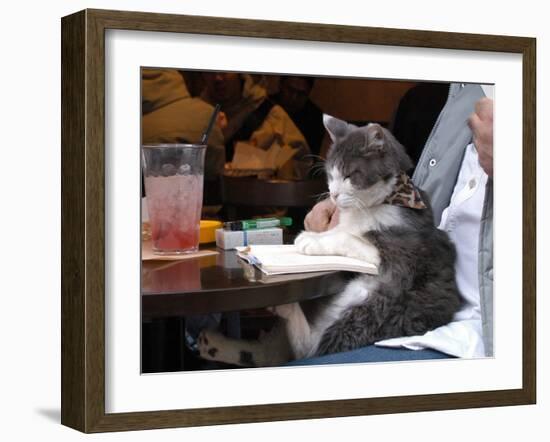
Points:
point(374, 153)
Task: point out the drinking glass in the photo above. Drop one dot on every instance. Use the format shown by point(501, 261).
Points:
point(174, 177)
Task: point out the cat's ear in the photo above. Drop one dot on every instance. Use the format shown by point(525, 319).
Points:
point(376, 138)
point(380, 139)
point(337, 129)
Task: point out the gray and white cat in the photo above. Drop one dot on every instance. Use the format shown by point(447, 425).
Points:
point(383, 219)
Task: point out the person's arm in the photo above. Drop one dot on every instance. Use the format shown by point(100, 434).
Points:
point(481, 123)
point(323, 217)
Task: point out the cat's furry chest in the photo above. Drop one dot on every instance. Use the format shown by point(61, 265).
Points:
point(360, 221)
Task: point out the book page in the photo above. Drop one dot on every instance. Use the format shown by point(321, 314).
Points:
point(286, 259)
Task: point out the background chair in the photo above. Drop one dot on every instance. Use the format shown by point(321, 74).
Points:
point(243, 196)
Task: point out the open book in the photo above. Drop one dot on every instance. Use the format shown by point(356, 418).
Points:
point(281, 259)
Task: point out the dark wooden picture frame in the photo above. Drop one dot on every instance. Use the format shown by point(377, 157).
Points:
point(83, 220)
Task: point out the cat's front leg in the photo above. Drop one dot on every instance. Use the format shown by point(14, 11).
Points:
point(298, 330)
point(337, 242)
point(309, 243)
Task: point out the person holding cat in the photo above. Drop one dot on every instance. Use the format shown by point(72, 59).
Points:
point(463, 208)
point(433, 290)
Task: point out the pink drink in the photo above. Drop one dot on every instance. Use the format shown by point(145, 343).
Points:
point(174, 204)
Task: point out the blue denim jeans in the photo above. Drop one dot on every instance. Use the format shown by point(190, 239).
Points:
point(372, 353)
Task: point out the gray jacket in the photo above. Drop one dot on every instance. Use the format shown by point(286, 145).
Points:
point(437, 172)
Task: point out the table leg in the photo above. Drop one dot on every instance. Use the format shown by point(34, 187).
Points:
point(163, 345)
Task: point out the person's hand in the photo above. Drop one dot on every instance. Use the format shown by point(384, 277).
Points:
point(481, 123)
point(221, 120)
point(322, 217)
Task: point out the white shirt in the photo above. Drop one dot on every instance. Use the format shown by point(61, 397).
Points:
point(461, 220)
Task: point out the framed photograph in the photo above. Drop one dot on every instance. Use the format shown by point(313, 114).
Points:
point(133, 354)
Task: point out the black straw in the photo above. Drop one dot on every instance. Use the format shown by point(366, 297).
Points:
point(206, 133)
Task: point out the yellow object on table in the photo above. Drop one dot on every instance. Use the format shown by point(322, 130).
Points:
point(208, 231)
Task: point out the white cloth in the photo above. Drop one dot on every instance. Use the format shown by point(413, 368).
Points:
point(461, 220)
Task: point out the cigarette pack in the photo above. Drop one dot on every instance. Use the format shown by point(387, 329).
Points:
point(229, 239)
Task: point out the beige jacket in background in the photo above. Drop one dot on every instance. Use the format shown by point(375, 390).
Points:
point(170, 115)
point(277, 127)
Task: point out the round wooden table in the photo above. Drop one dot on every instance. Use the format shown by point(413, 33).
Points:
point(224, 283)
point(172, 291)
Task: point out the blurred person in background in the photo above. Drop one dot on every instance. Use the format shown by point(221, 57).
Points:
point(253, 118)
point(293, 97)
point(171, 115)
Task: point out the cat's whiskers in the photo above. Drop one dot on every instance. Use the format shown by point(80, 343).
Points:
point(345, 201)
point(317, 172)
point(321, 196)
point(312, 155)
point(317, 168)
point(359, 204)
point(319, 164)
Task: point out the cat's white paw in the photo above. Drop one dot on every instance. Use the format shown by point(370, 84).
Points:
point(209, 344)
point(309, 243)
point(214, 346)
point(305, 235)
point(284, 311)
